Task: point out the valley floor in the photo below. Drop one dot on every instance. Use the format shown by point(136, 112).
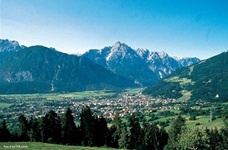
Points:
point(107, 103)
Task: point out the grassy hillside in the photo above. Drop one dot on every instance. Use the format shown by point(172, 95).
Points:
point(44, 146)
point(206, 80)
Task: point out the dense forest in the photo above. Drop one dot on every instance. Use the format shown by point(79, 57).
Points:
point(93, 131)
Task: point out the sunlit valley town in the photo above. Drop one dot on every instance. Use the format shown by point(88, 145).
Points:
point(125, 104)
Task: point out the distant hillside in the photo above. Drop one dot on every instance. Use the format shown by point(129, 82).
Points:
point(38, 69)
point(206, 80)
point(141, 65)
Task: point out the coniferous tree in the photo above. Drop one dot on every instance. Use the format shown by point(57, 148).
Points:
point(151, 136)
point(122, 142)
point(162, 138)
point(51, 128)
point(224, 130)
point(35, 130)
point(117, 122)
point(174, 131)
point(24, 128)
point(96, 140)
point(103, 130)
point(100, 132)
point(135, 135)
point(111, 140)
point(14, 130)
point(215, 139)
point(4, 133)
point(87, 126)
point(115, 131)
point(224, 138)
point(69, 131)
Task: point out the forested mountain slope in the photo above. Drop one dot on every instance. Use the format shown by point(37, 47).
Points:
point(206, 80)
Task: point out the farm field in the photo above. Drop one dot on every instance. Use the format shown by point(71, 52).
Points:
point(5, 105)
point(60, 96)
point(44, 146)
point(203, 121)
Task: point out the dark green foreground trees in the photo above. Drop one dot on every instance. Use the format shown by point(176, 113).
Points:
point(93, 131)
point(4, 133)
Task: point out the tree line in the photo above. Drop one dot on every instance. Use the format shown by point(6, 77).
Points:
point(93, 131)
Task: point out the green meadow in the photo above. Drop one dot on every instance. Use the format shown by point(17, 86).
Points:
point(5, 105)
point(45, 146)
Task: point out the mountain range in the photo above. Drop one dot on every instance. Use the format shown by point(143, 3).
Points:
point(141, 65)
point(38, 69)
point(206, 80)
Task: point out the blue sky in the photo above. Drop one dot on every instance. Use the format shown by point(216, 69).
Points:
point(179, 27)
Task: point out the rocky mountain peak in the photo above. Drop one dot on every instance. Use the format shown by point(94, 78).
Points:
point(120, 50)
point(7, 45)
point(120, 46)
point(143, 52)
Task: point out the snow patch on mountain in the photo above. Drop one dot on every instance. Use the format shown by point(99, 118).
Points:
point(162, 54)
